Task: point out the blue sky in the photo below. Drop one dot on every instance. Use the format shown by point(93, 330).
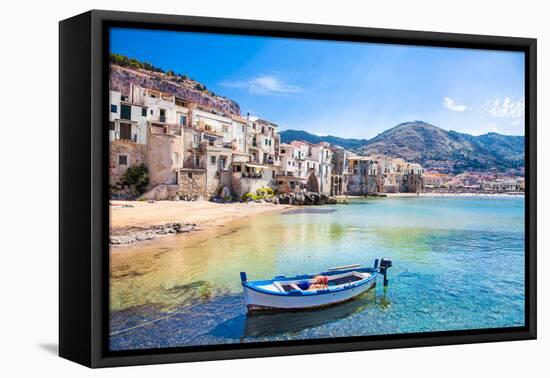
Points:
point(341, 88)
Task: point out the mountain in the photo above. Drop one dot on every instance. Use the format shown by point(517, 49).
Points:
point(125, 71)
point(433, 146)
point(288, 136)
point(430, 145)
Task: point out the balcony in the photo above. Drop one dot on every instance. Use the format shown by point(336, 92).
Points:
point(251, 175)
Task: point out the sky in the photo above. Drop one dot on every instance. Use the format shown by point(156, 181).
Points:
point(346, 89)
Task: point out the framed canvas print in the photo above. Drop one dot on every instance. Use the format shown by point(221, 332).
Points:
point(234, 188)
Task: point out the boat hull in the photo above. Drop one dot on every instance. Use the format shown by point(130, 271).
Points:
point(257, 301)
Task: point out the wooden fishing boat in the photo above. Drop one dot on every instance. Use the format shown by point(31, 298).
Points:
point(336, 285)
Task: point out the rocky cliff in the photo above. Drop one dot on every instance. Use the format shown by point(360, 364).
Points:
point(187, 89)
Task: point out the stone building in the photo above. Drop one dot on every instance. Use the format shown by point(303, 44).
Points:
point(196, 152)
point(381, 174)
point(322, 154)
point(340, 168)
point(289, 178)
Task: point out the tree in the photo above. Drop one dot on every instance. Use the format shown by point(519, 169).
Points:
point(136, 178)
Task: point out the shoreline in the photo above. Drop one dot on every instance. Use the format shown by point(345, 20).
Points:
point(437, 194)
point(134, 222)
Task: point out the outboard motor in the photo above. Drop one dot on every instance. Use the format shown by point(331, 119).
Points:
point(384, 265)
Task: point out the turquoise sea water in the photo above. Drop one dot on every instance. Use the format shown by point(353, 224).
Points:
point(458, 264)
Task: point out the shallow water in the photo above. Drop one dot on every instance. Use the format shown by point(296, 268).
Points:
point(458, 264)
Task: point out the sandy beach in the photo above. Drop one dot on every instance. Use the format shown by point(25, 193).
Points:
point(135, 221)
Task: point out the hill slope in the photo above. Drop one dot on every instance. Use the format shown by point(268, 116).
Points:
point(125, 71)
point(427, 144)
point(431, 146)
point(288, 136)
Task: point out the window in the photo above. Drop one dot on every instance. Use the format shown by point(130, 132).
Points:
point(225, 129)
point(183, 120)
point(122, 160)
point(189, 175)
point(272, 174)
point(212, 160)
point(113, 108)
point(125, 131)
point(223, 160)
point(175, 158)
point(196, 161)
point(196, 138)
point(111, 125)
point(151, 112)
point(144, 112)
point(125, 112)
point(283, 151)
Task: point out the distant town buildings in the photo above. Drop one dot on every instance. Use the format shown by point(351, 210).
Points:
point(475, 181)
point(200, 152)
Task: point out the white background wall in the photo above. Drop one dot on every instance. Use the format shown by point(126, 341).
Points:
point(29, 189)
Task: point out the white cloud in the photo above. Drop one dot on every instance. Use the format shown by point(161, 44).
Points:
point(265, 84)
point(506, 107)
point(450, 104)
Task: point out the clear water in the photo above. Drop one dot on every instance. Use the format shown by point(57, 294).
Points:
point(458, 263)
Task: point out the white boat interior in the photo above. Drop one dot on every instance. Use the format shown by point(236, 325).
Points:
point(335, 281)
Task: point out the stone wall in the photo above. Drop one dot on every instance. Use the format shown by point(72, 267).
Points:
point(415, 183)
point(162, 192)
point(360, 185)
point(242, 185)
point(135, 156)
point(191, 186)
point(192, 183)
point(164, 157)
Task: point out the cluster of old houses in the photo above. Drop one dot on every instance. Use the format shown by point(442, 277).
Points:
point(203, 153)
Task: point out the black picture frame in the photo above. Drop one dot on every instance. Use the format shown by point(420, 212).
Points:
point(83, 195)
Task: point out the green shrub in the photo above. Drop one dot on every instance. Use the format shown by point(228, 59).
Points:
point(136, 178)
point(265, 192)
point(249, 197)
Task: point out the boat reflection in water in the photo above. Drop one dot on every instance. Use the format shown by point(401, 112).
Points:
point(270, 324)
